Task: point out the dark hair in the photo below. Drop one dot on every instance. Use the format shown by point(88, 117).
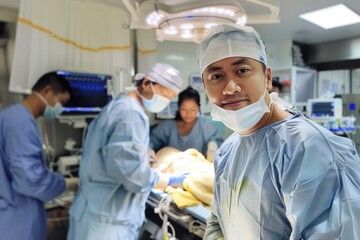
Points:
point(278, 84)
point(188, 93)
point(57, 82)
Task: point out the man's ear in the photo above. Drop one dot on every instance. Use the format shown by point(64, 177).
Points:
point(46, 90)
point(146, 81)
point(268, 78)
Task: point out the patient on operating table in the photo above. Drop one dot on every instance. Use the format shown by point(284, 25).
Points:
point(197, 187)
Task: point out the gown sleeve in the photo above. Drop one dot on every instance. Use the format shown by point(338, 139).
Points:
point(30, 176)
point(213, 230)
point(321, 189)
point(126, 155)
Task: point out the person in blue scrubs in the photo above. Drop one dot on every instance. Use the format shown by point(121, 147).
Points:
point(26, 182)
point(187, 130)
point(279, 175)
point(115, 173)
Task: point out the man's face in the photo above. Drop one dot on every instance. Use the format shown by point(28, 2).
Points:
point(148, 91)
point(164, 91)
point(235, 82)
point(52, 98)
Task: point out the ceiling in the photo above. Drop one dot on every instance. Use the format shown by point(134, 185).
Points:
point(291, 27)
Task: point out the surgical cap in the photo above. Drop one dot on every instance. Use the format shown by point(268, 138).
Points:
point(230, 40)
point(166, 75)
point(139, 76)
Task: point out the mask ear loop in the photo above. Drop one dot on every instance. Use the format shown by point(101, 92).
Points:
point(153, 90)
point(41, 98)
point(152, 87)
point(263, 96)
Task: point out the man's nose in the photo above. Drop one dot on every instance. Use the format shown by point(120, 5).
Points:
point(231, 88)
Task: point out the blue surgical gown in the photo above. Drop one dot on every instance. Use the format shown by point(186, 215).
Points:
point(25, 181)
point(290, 180)
point(166, 134)
point(115, 179)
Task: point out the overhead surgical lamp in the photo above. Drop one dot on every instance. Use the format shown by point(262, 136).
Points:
point(189, 20)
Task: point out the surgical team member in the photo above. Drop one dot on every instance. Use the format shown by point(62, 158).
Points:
point(115, 173)
point(187, 130)
point(26, 182)
point(279, 175)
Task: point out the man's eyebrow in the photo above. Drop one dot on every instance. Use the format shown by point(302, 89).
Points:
point(240, 61)
point(216, 68)
point(213, 69)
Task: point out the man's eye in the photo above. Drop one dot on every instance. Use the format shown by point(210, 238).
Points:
point(215, 77)
point(243, 70)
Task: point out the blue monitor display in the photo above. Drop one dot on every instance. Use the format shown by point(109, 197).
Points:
point(90, 92)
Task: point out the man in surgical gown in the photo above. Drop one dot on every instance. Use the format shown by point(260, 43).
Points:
point(115, 174)
point(280, 175)
point(25, 181)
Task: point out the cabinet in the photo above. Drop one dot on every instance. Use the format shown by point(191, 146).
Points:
point(299, 85)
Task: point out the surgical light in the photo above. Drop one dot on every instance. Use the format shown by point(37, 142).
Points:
point(185, 20)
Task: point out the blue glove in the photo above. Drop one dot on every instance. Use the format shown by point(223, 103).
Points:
point(177, 180)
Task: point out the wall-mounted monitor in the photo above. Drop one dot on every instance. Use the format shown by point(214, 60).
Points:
point(91, 92)
point(325, 108)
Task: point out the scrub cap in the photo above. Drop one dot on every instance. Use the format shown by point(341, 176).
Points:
point(230, 40)
point(139, 76)
point(166, 75)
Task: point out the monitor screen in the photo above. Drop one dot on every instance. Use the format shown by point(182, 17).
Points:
point(90, 92)
point(325, 108)
point(322, 109)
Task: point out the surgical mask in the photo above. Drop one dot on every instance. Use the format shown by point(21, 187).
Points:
point(51, 112)
point(243, 119)
point(157, 103)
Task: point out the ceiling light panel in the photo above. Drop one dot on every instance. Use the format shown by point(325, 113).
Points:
point(332, 17)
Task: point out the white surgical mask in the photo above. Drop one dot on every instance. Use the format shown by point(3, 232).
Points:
point(51, 112)
point(157, 103)
point(243, 119)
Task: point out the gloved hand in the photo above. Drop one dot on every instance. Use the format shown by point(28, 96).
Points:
point(72, 184)
point(177, 180)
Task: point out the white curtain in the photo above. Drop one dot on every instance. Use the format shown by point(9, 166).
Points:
point(147, 50)
point(68, 35)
